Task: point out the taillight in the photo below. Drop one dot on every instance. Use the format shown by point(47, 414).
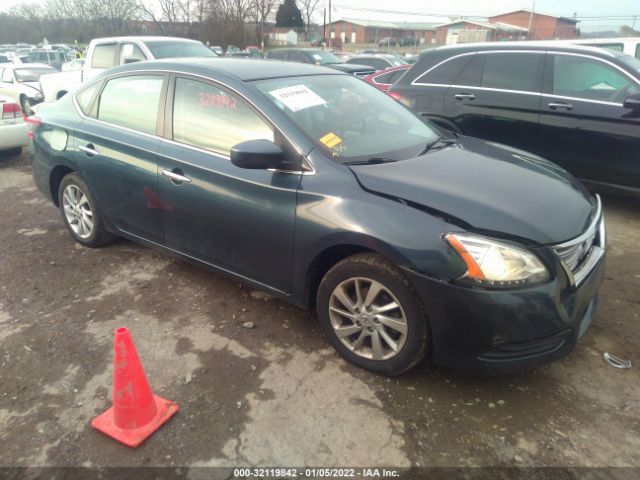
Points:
point(32, 122)
point(10, 110)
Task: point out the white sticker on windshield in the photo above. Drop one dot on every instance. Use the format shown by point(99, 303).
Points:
point(297, 97)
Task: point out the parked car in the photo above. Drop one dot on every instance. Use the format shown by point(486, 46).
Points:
point(318, 57)
point(378, 61)
point(576, 106)
point(104, 53)
point(13, 131)
point(383, 79)
point(388, 42)
point(630, 46)
point(21, 83)
point(408, 41)
point(218, 50)
point(312, 185)
point(254, 51)
point(232, 50)
point(53, 58)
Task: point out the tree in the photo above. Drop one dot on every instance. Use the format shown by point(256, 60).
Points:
point(289, 15)
point(262, 10)
point(309, 7)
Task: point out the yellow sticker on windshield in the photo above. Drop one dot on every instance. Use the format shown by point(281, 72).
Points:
point(331, 140)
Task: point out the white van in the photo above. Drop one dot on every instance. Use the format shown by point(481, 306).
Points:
point(630, 46)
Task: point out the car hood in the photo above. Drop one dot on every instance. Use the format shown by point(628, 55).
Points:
point(489, 188)
point(350, 67)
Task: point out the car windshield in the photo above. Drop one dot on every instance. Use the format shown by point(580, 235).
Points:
point(165, 49)
point(324, 58)
point(348, 118)
point(31, 74)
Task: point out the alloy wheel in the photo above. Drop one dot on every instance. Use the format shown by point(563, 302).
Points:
point(368, 319)
point(77, 211)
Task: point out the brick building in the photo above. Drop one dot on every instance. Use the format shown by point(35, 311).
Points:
point(542, 26)
point(372, 31)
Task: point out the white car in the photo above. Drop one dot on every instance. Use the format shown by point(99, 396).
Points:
point(630, 45)
point(21, 83)
point(13, 129)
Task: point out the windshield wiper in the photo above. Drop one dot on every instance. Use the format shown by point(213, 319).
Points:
point(371, 161)
point(438, 143)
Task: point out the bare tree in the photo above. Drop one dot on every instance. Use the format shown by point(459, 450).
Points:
point(262, 11)
point(308, 8)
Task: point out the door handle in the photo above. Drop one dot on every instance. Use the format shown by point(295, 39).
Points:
point(89, 150)
point(464, 96)
point(176, 176)
point(560, 106)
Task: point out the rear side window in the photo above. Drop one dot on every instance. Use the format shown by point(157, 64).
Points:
point(446, 72)
point(295, 56)
point(208, 117)
point(512, 71)
point(132, 102)
point(103, 56)
point(86, 96)
point(277, 54)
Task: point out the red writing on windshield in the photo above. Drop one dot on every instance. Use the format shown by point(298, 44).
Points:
point(217, 101)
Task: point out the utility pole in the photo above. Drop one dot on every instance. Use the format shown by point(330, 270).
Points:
point(324, 27)
point(533, 9)
point(330, 26)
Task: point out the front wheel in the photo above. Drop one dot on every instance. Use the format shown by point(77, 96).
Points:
point(80, 214)
point(371, 315)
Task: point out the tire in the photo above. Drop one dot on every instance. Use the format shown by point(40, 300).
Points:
point(85, 206)
point(25, 104)
point(365, 270)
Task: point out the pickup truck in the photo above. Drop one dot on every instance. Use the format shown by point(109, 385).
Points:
point(104, 53)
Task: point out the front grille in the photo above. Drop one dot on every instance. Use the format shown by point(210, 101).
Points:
point(574, 255)
point(581, 254)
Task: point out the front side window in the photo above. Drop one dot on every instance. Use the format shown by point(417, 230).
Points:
point(209, 117)
point(512, 71)
point(347, 118)
point(590, 79)
point(103, 56)
point(132, 102)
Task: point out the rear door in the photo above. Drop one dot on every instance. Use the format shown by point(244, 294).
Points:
point(236, 219)
point(497, 97)
point(117, 144)
point(584, 126)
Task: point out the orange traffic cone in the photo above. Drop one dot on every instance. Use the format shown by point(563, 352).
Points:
point(136, 412)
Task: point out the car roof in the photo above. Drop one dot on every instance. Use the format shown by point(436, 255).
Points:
point(375, 55)
point(242, 69)
point(548, 45)
point(144, 38)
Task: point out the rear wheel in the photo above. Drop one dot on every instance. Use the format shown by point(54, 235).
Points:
point(80, 214)
point(371, 314)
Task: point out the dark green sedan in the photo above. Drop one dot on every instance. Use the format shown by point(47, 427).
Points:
point(317, 187)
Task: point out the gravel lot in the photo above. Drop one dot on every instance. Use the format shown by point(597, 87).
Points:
point(275, 394)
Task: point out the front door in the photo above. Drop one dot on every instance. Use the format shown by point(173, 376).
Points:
point(584, 126)
point(236, 219)
point(117, 146)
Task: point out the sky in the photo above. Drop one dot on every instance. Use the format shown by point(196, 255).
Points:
point(434, 10)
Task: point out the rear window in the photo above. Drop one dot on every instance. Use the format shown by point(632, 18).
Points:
point(512, 71)
point(104, 56)
point(446, 72)
point(168, 49)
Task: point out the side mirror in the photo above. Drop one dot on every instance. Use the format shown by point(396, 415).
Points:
point(632, 101)
point(257, 155)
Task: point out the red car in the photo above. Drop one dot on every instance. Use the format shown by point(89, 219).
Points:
point(385, 78)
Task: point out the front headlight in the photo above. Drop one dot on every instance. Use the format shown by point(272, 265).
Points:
point(497, 264)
